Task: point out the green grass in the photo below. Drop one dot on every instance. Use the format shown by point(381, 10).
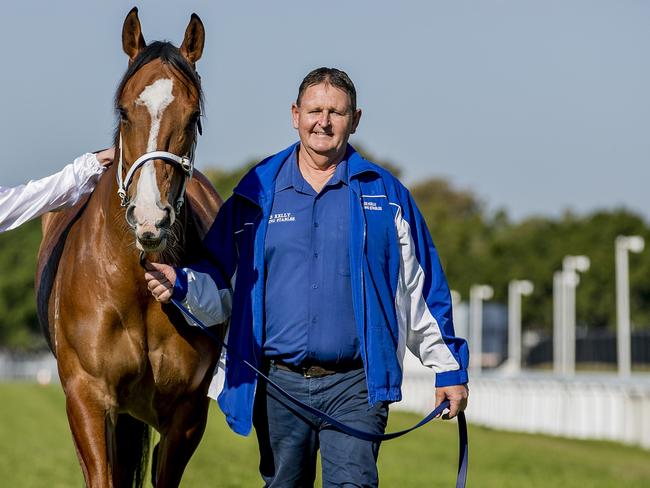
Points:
point(36, 450)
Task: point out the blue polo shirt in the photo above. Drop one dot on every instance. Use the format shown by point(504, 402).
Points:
point(309, 318)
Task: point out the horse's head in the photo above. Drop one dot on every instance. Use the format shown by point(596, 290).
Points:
point(159, 105)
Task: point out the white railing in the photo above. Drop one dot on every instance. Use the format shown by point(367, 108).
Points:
point(585, 406)
point(41, 369)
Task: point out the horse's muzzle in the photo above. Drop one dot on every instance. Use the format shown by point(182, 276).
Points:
point(150, 242)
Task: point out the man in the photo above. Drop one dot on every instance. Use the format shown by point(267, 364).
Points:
point(60, 190)
point(333, 274)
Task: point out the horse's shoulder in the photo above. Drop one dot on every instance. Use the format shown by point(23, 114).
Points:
point(55, 226)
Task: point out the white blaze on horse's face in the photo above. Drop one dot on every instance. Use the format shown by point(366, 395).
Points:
point(150, 216)
point(156, 97)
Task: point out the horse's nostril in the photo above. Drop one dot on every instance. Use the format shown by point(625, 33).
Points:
point(147, 236)
point(130, 215)
point(168, 218)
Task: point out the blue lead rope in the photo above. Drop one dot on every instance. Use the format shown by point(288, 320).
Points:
point(360, 434)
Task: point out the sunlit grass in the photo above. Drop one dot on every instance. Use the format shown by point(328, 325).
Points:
point(37, 450)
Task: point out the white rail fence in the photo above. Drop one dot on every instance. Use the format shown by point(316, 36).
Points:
point(41, 368)
point(585, 406)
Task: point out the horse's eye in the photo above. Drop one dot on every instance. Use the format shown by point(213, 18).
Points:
point(194, 118)
point(124, 116)
point(195, 122)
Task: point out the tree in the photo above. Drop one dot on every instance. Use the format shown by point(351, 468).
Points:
point(226, 180)
point(19, 327)
point(459, 230)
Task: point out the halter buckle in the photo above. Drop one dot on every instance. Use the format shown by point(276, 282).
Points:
point(186, 164)
point(123, 199)
point(179, 204)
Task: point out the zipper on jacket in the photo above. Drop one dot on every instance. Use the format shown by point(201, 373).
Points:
point(363, 289)
point(264, 218)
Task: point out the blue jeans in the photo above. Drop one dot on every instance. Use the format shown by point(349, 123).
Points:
point(289, 439)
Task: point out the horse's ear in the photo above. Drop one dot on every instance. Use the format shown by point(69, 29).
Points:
point(132, 39)
point(192, 46)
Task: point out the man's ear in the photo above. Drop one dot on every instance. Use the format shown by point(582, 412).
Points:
point(355, 120)
point(295, 115)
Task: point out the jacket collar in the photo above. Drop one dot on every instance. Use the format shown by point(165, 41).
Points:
point(259, 183)
point(357, 165)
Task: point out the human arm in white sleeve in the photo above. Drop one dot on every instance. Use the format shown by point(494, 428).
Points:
point(60, 190)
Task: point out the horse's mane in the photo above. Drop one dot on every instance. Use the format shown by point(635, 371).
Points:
point(168, 54)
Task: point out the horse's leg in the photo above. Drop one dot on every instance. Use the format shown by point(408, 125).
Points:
point(87, 416)
point(129, 451)
point(179, 440)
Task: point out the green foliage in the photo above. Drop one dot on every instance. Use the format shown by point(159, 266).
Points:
point(458, 227)
point(224, 180)
point(476, 247)
point(19, 327)
point(38, 451)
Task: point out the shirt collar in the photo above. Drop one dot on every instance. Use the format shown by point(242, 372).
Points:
point(341, 173)
point(290, 175)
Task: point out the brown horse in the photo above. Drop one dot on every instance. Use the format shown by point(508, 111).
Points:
point(125, 361)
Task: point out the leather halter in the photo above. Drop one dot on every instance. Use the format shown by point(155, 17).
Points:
point(184, 163)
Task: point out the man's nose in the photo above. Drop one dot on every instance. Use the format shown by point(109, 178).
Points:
point(324, 119)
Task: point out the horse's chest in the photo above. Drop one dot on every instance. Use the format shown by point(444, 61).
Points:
point(171, 368)
point(174, 358)
point(155, 356)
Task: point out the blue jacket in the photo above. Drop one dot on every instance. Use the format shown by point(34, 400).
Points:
point(400, 294)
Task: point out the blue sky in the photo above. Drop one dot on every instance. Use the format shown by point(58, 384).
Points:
point(536, 106)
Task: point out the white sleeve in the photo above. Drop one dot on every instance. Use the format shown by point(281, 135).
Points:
point(63, 189)
point(205, 300)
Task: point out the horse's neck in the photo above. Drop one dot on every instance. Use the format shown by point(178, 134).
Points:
point(104, 208)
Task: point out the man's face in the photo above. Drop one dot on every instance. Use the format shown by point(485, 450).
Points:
point(324, 120)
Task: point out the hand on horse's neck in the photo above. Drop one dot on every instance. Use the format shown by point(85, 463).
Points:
point(317, 173)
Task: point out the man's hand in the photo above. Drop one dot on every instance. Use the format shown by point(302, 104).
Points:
point(160, 280)
point(106, 156)
point(457, 396)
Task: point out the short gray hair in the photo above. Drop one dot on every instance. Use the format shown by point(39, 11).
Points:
point(331, 76)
